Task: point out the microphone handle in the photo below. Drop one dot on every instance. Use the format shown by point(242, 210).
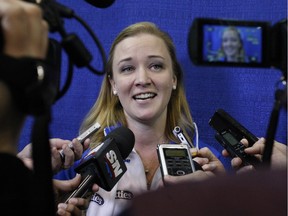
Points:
point(83, 188)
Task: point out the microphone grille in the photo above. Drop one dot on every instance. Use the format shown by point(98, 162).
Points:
point(124, 139)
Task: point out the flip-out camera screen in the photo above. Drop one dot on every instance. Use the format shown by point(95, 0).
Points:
point(229, 42)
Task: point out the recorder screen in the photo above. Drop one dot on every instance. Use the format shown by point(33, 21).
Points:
point(230, 139)
point(175, 153)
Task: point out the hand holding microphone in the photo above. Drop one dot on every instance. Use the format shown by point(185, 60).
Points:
point(104, 165)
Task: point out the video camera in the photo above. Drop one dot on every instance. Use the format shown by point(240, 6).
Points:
point(35, 97)
point(263, 45)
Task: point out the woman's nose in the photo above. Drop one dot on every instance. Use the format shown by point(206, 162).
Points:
point(142, 76)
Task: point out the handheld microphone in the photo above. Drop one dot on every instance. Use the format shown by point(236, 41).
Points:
point(100, 3)
point(105, 165)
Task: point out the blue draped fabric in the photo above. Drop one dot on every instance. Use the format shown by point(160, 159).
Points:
point(246, 93)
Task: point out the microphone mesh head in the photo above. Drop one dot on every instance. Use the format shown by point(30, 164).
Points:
point(124, 139)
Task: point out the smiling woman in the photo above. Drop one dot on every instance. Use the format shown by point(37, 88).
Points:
point(143, 77)
point(232, 49)
point(141, 71)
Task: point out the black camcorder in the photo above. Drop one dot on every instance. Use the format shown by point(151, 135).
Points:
point(42, 95)
point(213, 42)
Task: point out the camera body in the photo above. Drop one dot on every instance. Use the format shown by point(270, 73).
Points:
point(264, 45)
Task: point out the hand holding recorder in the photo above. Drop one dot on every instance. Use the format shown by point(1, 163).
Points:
point(230, 133)
point(177, 164)
point(278, 157)
point(81, 138)
point(207, 165)
point(176, 159)
point(63, 152)
point(57, 145)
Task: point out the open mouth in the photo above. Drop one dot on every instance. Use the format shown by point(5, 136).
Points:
point(144, 96)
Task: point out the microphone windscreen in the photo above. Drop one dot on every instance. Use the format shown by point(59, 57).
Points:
point(100, 3)
point(124, 139)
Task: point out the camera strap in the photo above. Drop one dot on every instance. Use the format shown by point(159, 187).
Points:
point(29, 82)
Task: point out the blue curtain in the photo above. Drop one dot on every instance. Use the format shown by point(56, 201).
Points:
point(248, 94)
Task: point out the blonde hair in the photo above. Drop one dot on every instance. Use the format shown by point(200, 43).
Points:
point(108, 111)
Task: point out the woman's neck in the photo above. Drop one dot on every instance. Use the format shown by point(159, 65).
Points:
point(148, 133)
point(148, 136)
point(146, 141)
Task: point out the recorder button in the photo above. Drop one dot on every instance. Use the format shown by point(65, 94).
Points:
point(180, 172)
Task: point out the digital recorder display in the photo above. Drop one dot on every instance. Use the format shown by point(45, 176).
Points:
point(175, 153)
point(230, 139)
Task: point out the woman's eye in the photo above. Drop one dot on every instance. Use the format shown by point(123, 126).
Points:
point(157, 67)
point(127, 69)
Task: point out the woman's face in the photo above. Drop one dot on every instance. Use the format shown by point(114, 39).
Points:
point(231, 43)
point(143, 77)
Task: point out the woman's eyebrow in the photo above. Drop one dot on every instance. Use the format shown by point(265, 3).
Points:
point(124, 60)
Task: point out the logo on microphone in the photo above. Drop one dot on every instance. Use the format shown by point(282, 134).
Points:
point(112, 164)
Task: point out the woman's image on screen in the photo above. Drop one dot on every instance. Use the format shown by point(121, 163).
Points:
point(232, 44)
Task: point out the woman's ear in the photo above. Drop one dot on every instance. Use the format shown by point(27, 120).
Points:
point(174, 82)
point(113, 86)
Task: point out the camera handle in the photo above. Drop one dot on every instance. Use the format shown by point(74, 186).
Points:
point(280, 101)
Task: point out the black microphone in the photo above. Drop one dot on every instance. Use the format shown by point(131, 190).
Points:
point(105, 165)
point(100, 3)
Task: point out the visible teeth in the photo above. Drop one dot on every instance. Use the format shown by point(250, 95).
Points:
point(144, 96)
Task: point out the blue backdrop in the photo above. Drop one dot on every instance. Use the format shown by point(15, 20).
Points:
point(245, 93)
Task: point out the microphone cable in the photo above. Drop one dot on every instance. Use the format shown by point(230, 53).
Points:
point(78, 54)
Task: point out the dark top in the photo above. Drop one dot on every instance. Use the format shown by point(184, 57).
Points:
point(258, 193)
point(17, 196)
